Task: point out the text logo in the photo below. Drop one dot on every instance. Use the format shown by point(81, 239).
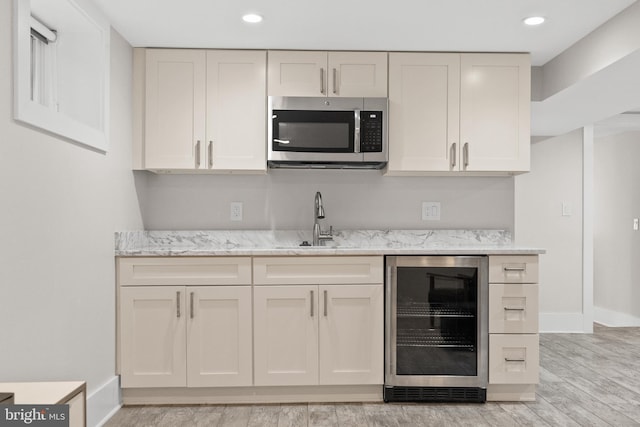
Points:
point(34, 415)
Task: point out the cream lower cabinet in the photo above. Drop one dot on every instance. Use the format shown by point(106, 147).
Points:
point(306, 335)
point(513, 327)
point(153, 336)
point(174, 336)
point(286, 335)
point(185, 336)
point(327, 334)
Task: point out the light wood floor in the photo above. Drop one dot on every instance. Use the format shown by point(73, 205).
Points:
point(585, 380)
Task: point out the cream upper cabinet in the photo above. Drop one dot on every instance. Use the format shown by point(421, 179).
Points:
point(333, 74)
point(458, 113)
point(424, 105)
point(175, 98)
point(236, 110)
point(495, 99)
point(205, 110)
point(357, 74)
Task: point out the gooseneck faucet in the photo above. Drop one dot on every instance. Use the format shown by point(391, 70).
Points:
point(319, 236)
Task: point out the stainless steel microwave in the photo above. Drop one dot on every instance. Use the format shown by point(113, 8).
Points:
point(327, 132)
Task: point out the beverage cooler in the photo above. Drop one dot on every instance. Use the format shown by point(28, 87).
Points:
point(436, 328)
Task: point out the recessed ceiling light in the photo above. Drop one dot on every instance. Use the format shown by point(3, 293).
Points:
point(534, 20)
point(252, 18)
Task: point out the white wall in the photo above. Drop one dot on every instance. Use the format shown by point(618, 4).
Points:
point(61, 204)
point(283, 199)
point(555, 177)
point(616, 244)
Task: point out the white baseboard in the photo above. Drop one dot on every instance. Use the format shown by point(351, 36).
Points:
point(103, 403)
point(614, 318)
point(561, 322)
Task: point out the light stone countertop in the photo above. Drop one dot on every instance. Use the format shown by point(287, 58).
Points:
point(345, 242)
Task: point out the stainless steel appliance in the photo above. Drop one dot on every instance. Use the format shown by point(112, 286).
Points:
point(436, 328)
point(327, 132)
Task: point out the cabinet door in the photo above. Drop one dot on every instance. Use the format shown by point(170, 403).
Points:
point(174, 109)
point(153, 336)
point(351, 334)
point(219, 336)
point(357, 74)
point(297, 73)
point(423, 112)
point(286, 335)
point(236, 110)
point(494, 112)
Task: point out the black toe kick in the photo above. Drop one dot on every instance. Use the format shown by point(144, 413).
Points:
point(435, 394)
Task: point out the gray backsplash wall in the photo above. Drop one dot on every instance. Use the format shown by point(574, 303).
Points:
point(283, 199)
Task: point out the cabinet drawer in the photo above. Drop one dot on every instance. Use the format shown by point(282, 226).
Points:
point(301, 270)
point(513, 269)
point(184, 271)
point(513, 308)
point(513, 359)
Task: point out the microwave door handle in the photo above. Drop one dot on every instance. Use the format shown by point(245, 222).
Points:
point(356, 133)
point(282, 141)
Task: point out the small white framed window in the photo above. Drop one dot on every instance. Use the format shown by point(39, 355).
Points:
point(42, 63)
point(61, 69)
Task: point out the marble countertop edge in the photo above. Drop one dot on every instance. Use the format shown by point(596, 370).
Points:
point(346, 242)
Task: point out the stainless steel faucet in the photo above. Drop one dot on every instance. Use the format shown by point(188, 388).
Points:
point(319, 236)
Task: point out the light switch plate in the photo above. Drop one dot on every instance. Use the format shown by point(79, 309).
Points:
point(635, 224)
point(566, 209)
point(431, 211)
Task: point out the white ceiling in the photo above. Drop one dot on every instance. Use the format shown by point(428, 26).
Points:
point(430, 25)
point(421, 25)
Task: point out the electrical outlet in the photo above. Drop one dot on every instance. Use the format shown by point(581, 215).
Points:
point(567, 210)
point(635, 224)
point(431, 211)
point(236, 211)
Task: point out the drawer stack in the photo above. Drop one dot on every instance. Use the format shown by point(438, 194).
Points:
point(513, 327)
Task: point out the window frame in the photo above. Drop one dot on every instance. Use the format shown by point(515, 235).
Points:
point(48, 118)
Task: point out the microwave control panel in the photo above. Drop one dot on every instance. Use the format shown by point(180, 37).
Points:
point(370, 131)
